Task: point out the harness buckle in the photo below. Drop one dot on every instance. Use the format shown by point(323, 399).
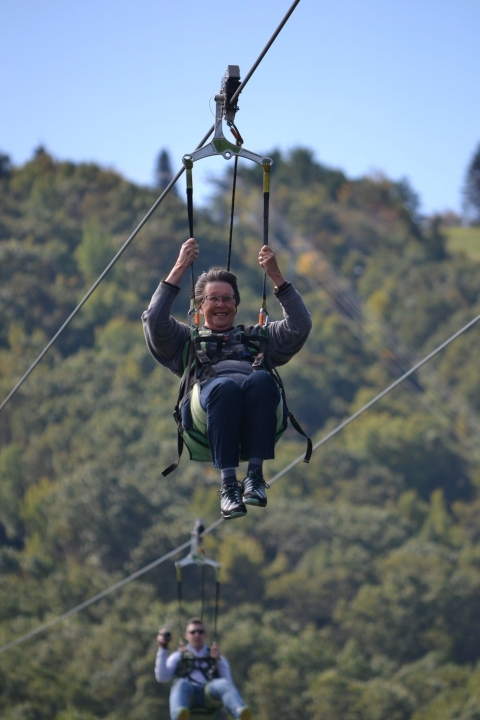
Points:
point(258, 362)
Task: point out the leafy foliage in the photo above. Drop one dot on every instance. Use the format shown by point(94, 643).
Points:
point(354, 595)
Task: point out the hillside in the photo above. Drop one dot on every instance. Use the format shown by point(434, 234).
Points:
point(354, 594)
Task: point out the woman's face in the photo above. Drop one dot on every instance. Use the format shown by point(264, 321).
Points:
point(220, 314)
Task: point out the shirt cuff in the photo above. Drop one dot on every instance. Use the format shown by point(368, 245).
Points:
point(176, 287)
point(284, 286)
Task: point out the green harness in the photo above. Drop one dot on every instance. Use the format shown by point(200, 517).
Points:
point(201, 353)
point(189, 662)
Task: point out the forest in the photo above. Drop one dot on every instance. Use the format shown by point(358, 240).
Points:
point(355, 594)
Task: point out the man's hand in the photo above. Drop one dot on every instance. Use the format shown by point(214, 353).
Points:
point(188, 253)
point(163, 638)
point(267, 259)
point(214, 651)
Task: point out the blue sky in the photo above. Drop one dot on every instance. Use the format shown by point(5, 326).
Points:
point(369, 86)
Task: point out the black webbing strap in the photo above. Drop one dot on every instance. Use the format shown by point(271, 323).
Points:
point(179, 591)
point(188, 163)
point(217, 603)
point(202, 592)
point(183, 390)
point(293, 420)
point(299, 429)
point(267, 166)
point(236, 134)
point(232, 210)
point(180, 444)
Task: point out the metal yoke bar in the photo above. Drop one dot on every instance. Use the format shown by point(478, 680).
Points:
point(219, 145)
point(196, 556)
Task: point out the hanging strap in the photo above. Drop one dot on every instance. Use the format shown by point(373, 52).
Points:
point(292, 418)
point(180, 444)
point(179, 590)
point(202, 592)
point(217, 602)
point(182, 392)
point(236, 134)
point(232, 210)
point(267, 166)
point(188, 163)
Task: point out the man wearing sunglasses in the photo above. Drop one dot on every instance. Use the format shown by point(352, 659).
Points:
point(202, 676)
point(242, 401)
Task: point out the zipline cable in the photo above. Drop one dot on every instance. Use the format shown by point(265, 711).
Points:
point(148, 215)
point(218, 522)
point(378, 397)
point(95, 598)
point(267, 47)
point(99, 280)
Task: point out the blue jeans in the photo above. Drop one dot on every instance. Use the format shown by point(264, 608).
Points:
point(185, 694)
point(241, 414)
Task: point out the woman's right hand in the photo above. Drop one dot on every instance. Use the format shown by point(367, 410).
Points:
point(188, 253)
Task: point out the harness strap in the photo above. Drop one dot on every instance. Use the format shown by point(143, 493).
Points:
point(183, 390)
point(205, 665)
point(292, 418)
point(267, 166)
point(188, 164)
point(180, 444)
point(299, 429)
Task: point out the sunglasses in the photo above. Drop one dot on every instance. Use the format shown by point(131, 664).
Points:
point(195, 632)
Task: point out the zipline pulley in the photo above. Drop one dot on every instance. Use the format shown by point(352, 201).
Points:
point(197, 556)
point(219, 145)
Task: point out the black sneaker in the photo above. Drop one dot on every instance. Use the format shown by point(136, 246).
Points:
point(253, 489)
point(231, 503)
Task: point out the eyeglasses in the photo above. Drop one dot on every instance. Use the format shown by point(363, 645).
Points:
point(215, 299)
point(195, 632)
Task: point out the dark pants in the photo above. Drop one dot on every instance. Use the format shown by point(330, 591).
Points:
point(241, 413)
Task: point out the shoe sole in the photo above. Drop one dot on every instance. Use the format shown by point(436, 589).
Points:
point(254, 501)
point(230, 516)
point(245, 714)
point(184, 714)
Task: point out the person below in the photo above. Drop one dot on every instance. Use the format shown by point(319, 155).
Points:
point(202, 677)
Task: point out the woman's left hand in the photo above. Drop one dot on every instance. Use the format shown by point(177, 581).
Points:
point(268, 260)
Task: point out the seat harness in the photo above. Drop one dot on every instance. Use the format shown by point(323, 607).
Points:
point(189, 662)
point(205, 349)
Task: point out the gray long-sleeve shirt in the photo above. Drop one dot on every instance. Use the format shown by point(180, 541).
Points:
point(166, 337)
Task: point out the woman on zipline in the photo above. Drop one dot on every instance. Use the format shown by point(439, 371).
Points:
point(237, 389)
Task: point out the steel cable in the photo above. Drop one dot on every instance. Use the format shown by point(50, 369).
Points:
point(147, 216)
point(218, 522)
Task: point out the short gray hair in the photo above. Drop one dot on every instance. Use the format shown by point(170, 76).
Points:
point(216, 275)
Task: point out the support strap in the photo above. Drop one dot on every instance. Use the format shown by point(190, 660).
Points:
point(217, 602)
point(232, 210)
point(267, 166)
point(179, 590)
point(292, 418)
point(236, 134)
point(188, 163)
point(202, 593)
point(180, 444)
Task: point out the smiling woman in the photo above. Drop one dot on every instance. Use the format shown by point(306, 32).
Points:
point(217, 302)
point(231, 405)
